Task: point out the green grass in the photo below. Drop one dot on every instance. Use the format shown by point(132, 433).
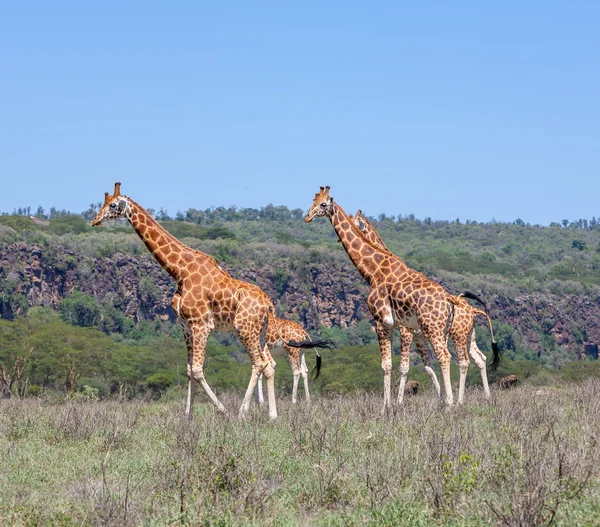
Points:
point(527, 457)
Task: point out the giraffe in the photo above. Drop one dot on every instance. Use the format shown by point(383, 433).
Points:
point(399, 296)
point(462, 331)
point(290, 332)
point(207, 298)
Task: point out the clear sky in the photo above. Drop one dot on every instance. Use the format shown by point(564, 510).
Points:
point(476, 110)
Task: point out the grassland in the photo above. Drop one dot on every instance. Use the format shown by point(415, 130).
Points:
point(526, 457)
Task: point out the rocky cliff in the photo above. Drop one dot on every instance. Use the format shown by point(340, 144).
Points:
point(327, 294)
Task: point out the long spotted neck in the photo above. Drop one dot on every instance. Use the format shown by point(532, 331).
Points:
point(365, 257)
point(167, 249)
point(373, 236)
point(374, 239)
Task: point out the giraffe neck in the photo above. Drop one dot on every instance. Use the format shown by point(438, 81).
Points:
point(374, 239)
point(373, 236)
point(167, 249)
point(365, 257)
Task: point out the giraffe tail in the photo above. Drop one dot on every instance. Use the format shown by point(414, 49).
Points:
point(307, 343)
point(496, 354)
point(314, 344)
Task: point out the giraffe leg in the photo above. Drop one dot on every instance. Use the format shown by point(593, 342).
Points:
point(294, 358)
point(269, 373)
point(480, 360)
point(462, 357)
point(406, 337)
point(189, 343)
point(442, 354)
point(384, 334)
point(423, 350)
point(260, 398)
point(251, 333)
point(256, 373)
point(200, 335)
point(304, 373)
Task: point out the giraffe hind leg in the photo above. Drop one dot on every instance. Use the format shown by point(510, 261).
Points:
point(425, 354)
point(251, 332)
point(260, 398)
point(480, 361)
point(304, 373)
point(200, 335)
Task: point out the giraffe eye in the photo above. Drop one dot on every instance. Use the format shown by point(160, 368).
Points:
point(323, 204)
point(112, 206)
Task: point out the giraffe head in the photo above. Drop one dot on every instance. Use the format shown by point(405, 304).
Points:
point(114, 207)
point(322, 205)
point(359, 221)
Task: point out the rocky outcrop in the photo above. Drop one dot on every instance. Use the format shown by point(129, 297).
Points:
point(327, 294)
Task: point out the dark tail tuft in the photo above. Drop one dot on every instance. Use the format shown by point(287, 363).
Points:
point(496, 356)
point(322, 343)
point(317, 369)
point(310, 344)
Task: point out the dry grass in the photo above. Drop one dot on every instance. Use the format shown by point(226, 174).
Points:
point(524, 458)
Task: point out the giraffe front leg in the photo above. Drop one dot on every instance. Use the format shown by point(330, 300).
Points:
point(189, 343)
point(269, 373)
point(294, 358)
point(423, 350)
point(462, 357)
point(406, 337)
point(384, 334)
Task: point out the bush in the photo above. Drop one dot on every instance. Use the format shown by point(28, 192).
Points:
point(80, 310)
point(159, 382)
point(71, 223)
point(93, 388)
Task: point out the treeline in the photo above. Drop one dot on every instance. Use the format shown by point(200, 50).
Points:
point(42, 354)
point(279, 213)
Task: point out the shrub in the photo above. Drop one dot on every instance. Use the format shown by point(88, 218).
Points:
point(80, 310)
point(159, 382)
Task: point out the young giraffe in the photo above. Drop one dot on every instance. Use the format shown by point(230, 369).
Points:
point(462, 331)
point(290, 337)
point(207, 298)
point(290, 332)
point(399, 295)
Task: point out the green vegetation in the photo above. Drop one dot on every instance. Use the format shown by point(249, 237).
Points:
point(503, 261)
point(528, 457)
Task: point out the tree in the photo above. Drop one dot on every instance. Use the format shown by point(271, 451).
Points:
point(80, 310)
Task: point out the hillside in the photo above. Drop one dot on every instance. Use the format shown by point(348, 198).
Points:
point(542, 284)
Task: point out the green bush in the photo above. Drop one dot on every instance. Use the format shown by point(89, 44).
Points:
point(70, 223)
point(80, 310)
point(159, 382)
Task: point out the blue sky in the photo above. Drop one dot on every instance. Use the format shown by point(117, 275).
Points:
point(475, 110)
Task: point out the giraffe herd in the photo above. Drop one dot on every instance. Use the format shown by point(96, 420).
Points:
point(208, 298)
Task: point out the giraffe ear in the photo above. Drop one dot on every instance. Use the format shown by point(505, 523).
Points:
point(117, 191)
